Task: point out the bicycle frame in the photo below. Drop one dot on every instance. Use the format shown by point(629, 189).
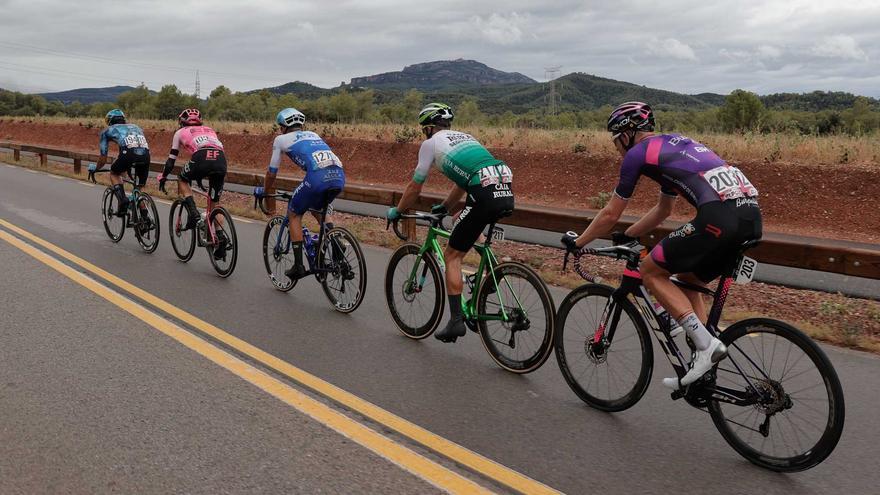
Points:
point(488, 262)
point(285, 227)
point(659, 323)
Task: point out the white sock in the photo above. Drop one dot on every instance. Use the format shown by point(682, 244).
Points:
point(696, 331)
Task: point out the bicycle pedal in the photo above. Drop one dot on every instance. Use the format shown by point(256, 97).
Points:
point(678, 394)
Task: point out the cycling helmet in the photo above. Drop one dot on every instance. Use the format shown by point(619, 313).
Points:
point(190, 116)
point(632, 115)
point(290, 117)
point(435, 113)
point(115, 116)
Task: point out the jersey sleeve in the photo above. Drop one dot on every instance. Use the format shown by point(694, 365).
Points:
point(105, 142)
point(630, 170)
point(275, 161)
point(426, 159)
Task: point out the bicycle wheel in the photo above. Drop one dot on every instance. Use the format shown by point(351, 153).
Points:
point(607, 376)
point(224, 229)
point(416, 303)
point(522, 344)
point(277, 255)
point(182, 241)
point(114, 225)
point(796, 414)
point(146, 228)
point(346, 283)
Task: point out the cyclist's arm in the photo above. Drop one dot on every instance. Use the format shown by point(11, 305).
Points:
point(653, 218)
point(452, 200)
point(414, 188)
point(604, 222)
point(272, 171)
point(172, 155)
point(103, 147)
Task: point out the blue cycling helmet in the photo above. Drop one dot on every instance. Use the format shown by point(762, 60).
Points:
point(115, 116)
point(290, 117)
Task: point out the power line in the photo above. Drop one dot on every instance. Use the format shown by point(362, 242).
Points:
point(551, 73)
point(55, 72)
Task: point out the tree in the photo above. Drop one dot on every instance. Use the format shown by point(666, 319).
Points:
point(468, 112)
point(742, 110)
point(169, 102)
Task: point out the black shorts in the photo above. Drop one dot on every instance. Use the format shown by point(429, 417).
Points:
point(210, 163)
point(484, 205)
point(138, 158)
point(708, 245)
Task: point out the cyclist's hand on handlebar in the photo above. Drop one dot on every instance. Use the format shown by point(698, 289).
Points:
point(392, 214)
point(620, 238)
point(162, 180)
point(570, 243)
point(439, 210)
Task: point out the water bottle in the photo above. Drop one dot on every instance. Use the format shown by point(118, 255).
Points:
point(203, 232)
point(308, 244)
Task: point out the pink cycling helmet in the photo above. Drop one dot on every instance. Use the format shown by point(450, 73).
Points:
point(190, 116)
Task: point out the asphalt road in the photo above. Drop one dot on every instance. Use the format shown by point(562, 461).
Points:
point(533, 424)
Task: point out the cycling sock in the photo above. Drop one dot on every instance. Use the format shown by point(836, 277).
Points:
point(190, 204)
point(119, 191)
point(455, 307)
point(298, 252)
point(701, 337)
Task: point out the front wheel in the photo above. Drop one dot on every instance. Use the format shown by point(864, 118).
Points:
point(610, 373)
point(346, 282)
point(183, 240)
point(277, 253)
point(516, 318)
point(146, 229)
point(792, 414)
point(223, 251)
point(113, 224)
point(415, 291)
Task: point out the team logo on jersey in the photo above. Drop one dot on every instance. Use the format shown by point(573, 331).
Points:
point(684, 231)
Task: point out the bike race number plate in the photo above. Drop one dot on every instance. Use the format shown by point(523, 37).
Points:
point(745, 272)
point(498, 234)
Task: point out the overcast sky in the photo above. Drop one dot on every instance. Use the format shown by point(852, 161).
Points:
point(685, 46)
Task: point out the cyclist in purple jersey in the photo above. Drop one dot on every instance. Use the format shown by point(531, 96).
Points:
point(699, 251)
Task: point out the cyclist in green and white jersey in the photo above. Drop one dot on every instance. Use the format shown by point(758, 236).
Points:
point(485, 180)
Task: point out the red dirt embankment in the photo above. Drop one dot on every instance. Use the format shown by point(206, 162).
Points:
point(833, 202)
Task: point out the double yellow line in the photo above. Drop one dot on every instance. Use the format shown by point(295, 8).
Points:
point(402, 456)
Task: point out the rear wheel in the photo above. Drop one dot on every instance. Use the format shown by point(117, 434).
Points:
point(346, 282)
point(524, 342)
point(610, 376)
point(224, 232)
point(146, 229)
point(114, 225)
point(416, 301)
point(183, 240)
point(795, 414)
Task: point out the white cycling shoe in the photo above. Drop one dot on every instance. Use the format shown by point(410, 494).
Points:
point(702, 363)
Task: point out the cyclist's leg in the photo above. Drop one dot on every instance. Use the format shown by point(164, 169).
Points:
point(193, 170)
point(119, 167)
point(299, 203)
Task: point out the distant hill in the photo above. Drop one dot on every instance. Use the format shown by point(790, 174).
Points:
point(813, 102)
point(87, 96)
point(300, 89)
point(442, 74)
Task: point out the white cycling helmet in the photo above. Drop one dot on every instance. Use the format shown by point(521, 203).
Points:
point(290, 117)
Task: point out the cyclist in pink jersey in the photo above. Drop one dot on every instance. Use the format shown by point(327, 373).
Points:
point(207, 160)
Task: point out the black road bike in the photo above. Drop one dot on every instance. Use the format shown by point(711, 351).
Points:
point(142, 216)
point(775, 399)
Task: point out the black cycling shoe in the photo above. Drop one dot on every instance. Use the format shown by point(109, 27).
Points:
point(220, 249)
point(191, 222)
point(123, 209)
point(452, 331)
point(295, 272)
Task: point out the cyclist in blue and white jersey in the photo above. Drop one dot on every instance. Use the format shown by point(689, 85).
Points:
point(133, 152)
point(323, 173)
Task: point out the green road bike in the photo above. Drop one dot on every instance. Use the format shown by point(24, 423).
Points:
point(506, 303)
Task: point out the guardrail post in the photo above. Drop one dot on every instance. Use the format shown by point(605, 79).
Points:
point(16, 154)
point(44, 160)
point(77, 166)
point(409, 228)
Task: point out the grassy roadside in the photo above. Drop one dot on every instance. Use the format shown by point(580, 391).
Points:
point(844, 151)
point(834, 318)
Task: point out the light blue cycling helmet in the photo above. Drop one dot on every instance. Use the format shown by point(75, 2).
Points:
point(290, 117)
point(115, 116)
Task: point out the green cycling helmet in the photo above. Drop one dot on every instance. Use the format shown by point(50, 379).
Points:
point(435, 113)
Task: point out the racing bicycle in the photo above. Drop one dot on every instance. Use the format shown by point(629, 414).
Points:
point(214, 227)
point(142, 216)
point(775, 399)
point(508, 304)
point(334, 256)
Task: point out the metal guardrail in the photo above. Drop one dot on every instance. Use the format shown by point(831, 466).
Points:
point(811, 253)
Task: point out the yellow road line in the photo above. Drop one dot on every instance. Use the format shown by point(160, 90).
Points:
point(448, 448)
point(400, 455)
